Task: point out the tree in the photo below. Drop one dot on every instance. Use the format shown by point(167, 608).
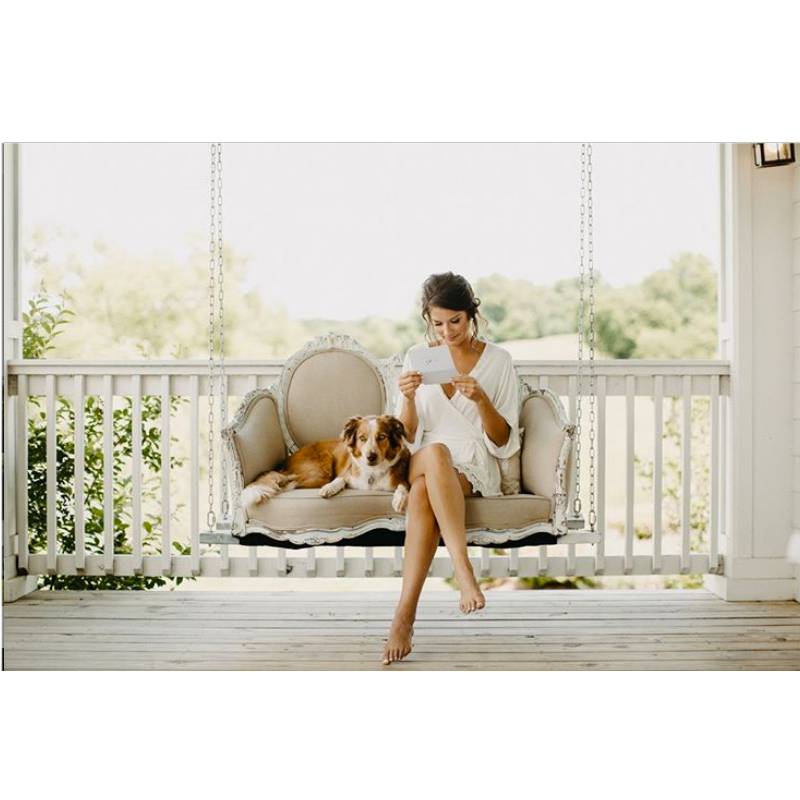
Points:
point(672, 313)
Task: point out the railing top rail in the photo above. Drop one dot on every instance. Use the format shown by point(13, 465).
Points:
point(246, 366)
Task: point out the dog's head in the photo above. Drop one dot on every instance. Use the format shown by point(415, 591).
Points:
point(373, 440)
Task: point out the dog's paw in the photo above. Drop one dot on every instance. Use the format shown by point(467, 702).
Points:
point(253, 495)
point(400, 499)
point(332, 488)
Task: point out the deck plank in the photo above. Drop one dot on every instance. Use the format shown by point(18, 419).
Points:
point(288, 630)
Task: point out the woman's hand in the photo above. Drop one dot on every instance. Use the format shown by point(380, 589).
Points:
point(408, 383)
point(470, 388)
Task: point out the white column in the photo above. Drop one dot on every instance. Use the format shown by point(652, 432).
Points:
point(794, 543)
point(14, 586)
point(13, 348)
point(758, 320)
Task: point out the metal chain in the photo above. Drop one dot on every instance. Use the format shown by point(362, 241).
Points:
point(223, 386)
point(576, 502)
point(586, 260)
point(592, 390)
point(211, 517)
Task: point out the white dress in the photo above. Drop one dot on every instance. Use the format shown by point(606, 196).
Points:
point(457, 423)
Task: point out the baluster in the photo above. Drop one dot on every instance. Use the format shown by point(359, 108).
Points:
point(600, 474)
point(194, 480)
point(166, 537)
point(714, 532)
point(658, 448)
point(79, 447)
point(686, 478)
point(136, 475)
point(630, 396)
point(397, 567)
point(723, 465)
point(52, 544)
point(282, 571)
point(513, 562)
point(541, 383)
point(252, 552)
point(573, 407)
point(311, 562)
point(485, 553)
point(339, 561)
point(369, 562)
point(108, 474)
point(22, 470)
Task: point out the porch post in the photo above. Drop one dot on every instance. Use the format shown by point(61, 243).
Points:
point(14, 585)
point(757, 317)
point(794, 544)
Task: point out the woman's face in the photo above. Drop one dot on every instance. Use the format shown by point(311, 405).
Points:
point(451, 327)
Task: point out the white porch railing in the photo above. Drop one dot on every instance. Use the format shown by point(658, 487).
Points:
point(633, 412)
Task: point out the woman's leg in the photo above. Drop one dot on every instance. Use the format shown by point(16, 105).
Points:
point(422, 539)
point(446, 489)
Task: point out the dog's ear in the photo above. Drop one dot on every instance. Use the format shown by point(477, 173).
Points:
point(397, 432)
point(351, 431)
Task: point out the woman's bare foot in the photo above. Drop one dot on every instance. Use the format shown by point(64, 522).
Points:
point(398, 645)
point(472, 598)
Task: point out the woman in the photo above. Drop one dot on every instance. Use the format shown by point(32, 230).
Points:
point(457, 431)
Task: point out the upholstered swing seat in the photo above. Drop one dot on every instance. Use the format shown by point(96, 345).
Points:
point(332, 379)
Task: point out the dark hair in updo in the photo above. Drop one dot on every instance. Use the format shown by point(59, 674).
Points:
point(447, 290)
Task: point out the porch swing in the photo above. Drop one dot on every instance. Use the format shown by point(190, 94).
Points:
point(541, 507)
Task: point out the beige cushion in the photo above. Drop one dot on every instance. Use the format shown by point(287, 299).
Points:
point(304, 509)
point(328, 388)
point(543, 440)
point(258, 440)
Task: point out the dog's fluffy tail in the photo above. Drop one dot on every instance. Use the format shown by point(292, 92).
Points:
point(267, 485)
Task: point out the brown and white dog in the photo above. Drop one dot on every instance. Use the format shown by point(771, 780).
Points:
point(370, 454)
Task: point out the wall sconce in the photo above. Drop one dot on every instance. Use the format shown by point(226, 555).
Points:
point(773, 154)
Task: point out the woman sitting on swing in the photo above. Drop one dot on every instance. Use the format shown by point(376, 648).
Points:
point(457, 432)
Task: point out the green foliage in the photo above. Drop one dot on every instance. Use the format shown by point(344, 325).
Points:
point(672, 313)
point(519, 309)
point(683, 582)
point(545, 582)
point(43, 322)
point(149, 307)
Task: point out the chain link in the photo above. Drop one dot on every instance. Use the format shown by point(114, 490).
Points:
point(576, 502)
point(592, 389)
point(586, 260)
point(211, 518)
point(223, 383)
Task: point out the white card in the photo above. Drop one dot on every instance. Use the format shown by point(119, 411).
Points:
point(435, 364)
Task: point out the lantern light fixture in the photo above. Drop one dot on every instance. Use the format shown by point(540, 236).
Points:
point(773, 154)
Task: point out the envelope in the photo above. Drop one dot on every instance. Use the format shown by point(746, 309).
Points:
point(435, 364)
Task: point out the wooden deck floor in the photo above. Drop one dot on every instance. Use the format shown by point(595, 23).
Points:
point(518, 630)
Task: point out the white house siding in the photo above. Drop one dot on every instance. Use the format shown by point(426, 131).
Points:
point(795, 543)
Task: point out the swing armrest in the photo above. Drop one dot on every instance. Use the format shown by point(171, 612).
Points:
point(253, 441)
point(546, 460)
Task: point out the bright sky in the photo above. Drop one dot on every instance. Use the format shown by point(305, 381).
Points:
point(346, 230)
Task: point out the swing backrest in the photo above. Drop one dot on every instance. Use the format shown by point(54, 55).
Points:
point(323, 386)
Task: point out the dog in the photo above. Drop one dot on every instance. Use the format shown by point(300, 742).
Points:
point(371, 454)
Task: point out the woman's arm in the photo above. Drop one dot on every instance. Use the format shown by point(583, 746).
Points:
point(408, 416)
point(406, 404)
point(496, 427)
